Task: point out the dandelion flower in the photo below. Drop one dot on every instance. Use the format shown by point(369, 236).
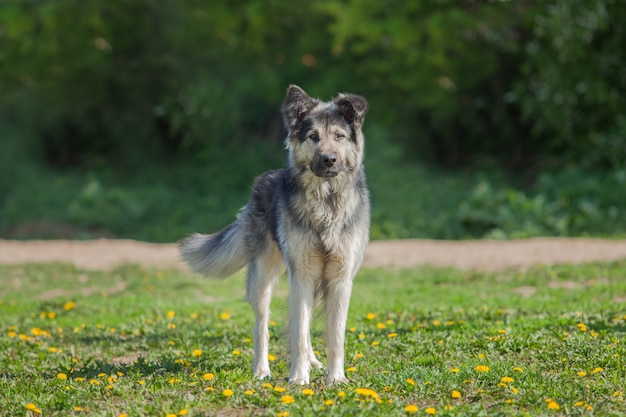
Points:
point(341, 394)
point(597, 370)
point(370, 316)
point(69, 305)
point(506, 380)
point(308, 391)
point(392, 335)
point(208, 377)
point(236, 352)
point(582, 373)
point(248, 392)
point(410, 381)
point(366, 392)
point(225, 315)
point(381, 325)
point(517, 369)
point(329, 402)
point(271, 357)
point(227, 392)
point(197, 352)
point(287, 399)
point(32, 407)
point(411, 408)
point(183, 412)
point(482, 368)
point(351, 369)
point(454, 370)
point(552, 405)
point(455, 394)
point(171, 314)
point(280, 389)
point(431, 411)
point(62, 376)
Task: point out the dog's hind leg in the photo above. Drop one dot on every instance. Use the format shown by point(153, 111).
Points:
point(263, 272)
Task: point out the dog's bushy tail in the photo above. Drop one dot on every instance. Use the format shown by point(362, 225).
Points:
point(218, 255)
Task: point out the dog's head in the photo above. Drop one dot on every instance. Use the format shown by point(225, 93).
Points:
point(324, 137)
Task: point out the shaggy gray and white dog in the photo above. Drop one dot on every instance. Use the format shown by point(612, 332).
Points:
point(312, 217)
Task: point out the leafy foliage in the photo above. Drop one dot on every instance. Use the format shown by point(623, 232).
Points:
point(459, 81)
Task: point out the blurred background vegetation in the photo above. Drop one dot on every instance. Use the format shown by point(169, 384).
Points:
point(148, 119)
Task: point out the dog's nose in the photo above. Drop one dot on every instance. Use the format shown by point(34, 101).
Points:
point(329, 160)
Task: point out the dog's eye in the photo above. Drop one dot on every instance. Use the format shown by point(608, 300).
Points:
point(339, 136)
point(314, 137)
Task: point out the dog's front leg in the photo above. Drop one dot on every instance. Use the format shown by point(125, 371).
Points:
point(337, 304)
point(301, 303)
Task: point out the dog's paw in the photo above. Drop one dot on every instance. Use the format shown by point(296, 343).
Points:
point(298, 381)
point(315, 364)
point(262, 373)
point(336, 379)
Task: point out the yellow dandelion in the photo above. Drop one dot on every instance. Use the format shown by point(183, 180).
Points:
point(454, 370)
point(196, 352)
point(431, 411)
point(436, 323)
point(597, 370)
point(280, 389)
point(142, 382)
point(381, 325)
point(208, 377)
point(32, 407)
point(308, 391)
point(225, 315)
point(351, 369)
point(514, 390)
point(374, 343)
point(341, 394)
point(70, 305)
point(517, 369)
point(329, 402)
point(506, 380)
point(579, 403)
point(62, 376)
point(392, 335)
point(267, 385)
point(236, 352)
point(227, 392)
point(361, 336)
point(194, 315)
point(366, 392)
point(171, 314)
point(287, 399)
point(582, 327)
point(352, 329)
point(183, 412)
point(283, 414)
point(411, 408)
point(370, 316)
point(455, 394)
point(248, 392)
point(410, 381)
point(482, 368)
point(170, 415)
point(122, 415)
point(552, 405)
point(271, 357)
point(582, 373)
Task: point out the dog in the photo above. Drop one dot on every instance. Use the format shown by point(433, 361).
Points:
point(312, 217)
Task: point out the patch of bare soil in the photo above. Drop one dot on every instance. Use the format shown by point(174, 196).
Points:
point(487, 255)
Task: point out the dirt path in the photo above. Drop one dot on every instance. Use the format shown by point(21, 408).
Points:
point(104, 254)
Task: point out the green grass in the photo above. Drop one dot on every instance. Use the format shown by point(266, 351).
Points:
point(156, 342)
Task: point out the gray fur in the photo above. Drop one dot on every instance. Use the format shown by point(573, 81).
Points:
point(311, 218)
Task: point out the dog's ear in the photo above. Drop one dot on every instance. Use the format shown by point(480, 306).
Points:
point(296, 106)
point(352, 107)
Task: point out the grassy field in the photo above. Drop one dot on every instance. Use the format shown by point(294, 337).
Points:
point(138, 342)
